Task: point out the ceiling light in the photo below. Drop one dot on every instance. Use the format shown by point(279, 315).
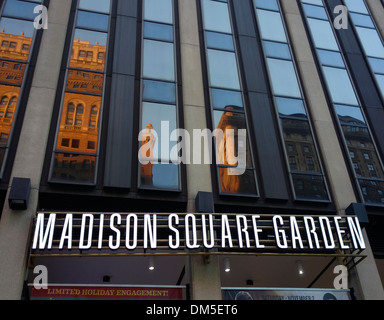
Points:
point(300, 268)
point(227, 265)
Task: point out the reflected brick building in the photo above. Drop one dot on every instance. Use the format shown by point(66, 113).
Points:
point(74, 98)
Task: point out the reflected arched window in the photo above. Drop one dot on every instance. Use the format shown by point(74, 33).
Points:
point(4, 101)
point(70, 112)
point(93, 117)
point(79, 115)
point(13, 101)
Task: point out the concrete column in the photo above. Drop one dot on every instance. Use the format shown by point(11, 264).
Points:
point(366, 275)
point(205, 277)
point(15, 225)
point(377, 11)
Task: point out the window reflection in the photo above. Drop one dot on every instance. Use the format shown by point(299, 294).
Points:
point(16, 37)
point(79, 125)
point(73, 167)
point(359, 141)
point(228, 109)
point(159, 103)
point(309, 187)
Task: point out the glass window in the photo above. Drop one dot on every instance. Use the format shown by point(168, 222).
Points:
point(315, 12)
point(377, 65)
point(362, 20)
point(291, 107)
point(340, 86)
point(271, 26)
point(158, 10)
point(159, 91)
point(223, 98)
point(160, 176)
point(267, 4)
point(82, 96)
point(92, 20)
point(283, 78)
point(371, 41)
point(95, 5)
point(308, 187)
point(158, 31)
point(331, 58)
point(219, 41)
point(277, 50)
point(219, 76)
point(154, 116)
point(158, 60)
point(323, 36)
point(227, 149)
point(356, 6)
point(216, 16)
point(19, 9)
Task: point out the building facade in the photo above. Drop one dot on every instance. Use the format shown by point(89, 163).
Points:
point(173, 111)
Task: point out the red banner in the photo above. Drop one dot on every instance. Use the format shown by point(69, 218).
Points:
point(105, 293)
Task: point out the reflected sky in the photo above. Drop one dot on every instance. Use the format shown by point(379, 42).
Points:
point(350, 111)
point(17, 27)
point(93, 37)
point(95, 5)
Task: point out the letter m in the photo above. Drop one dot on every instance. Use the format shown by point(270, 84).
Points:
point(40, 236)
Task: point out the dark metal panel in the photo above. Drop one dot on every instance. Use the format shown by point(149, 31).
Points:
point(274, 181)
point(243, 15)
point(120, 133)
point(127, 8)
point(256, 79)
point(125, 45)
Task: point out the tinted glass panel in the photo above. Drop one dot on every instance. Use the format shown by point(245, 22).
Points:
point(216, 16)
point(283, 78)
point(331, 58)
point(158, 10)
point(371, 41)
point(323, 34)
point(73, 168)
point(267, 4)
point(237, 184)
point(219, 41)
point(95, 5)
point(340, 86)
point(377, 65)
point(309, 187)
point(160, 176)
point(154, 116)
point(228, 150)
point(224, 98)
point(291, 107)
point(277, 50)
point(221, 77)
point(271, 26)
point(372, 191)
point(297, 134)
point(159, 91)
point(95, 21)
point(158, 31)
point(158, 60)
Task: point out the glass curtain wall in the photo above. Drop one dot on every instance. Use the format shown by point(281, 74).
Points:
point(16, 42)
point(370, 38)
point(227, 102)
point(77, 141)
point(159, 158)
point(361, 148)
point(301, 152)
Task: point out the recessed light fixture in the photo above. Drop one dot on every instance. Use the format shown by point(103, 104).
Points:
point(151, 264)
point(227, 265)
point(300, 268)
